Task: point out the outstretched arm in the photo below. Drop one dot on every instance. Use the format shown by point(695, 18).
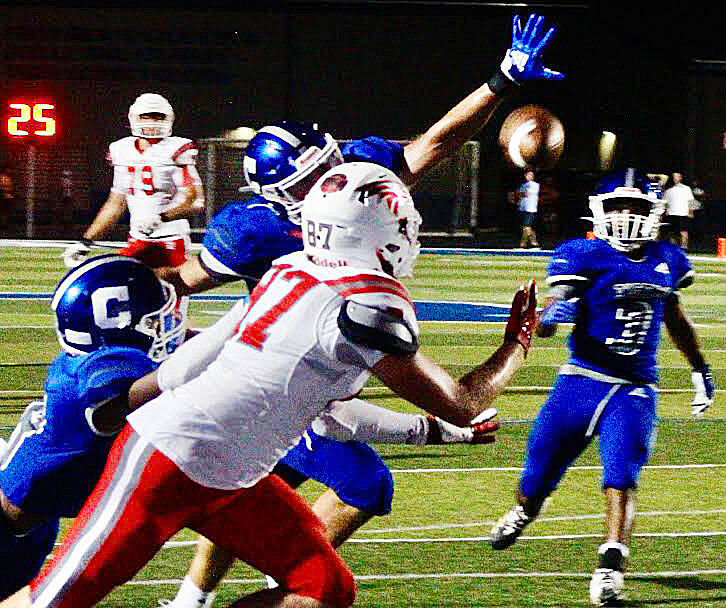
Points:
point(427, 385)
point(359, 420)
point(522, 63)
point(683, 333)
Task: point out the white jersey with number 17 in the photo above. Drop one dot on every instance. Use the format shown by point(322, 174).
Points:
point(285, 361)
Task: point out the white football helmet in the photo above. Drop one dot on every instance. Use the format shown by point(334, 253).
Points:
point(626, 209)
point(148, 103)
point(361, 214)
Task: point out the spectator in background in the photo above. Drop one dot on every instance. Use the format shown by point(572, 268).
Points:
point(528, 197)
point(678, 200)
point(10, 225)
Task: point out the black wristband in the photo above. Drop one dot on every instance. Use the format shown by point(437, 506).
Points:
point(163, 216)
point(86, 242)
point(499, 83)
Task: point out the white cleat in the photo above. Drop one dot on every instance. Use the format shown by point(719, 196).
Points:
point(508, 528)
point(606, 587)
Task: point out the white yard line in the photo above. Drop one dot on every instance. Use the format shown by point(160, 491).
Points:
point(592, 516)
point(466, 575)
point(575, 468)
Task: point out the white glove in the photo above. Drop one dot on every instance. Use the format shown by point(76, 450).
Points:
point(75, 254)
point(147, 224)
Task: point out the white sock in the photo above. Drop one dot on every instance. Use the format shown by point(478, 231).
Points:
point(191, 596)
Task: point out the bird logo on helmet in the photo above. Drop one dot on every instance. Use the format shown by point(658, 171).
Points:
point(283, 160)
point(626, 209)
point(361, 214)
point(151, 103)
point(114, 300)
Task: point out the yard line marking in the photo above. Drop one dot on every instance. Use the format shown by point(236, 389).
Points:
point(414, 576)
point(575, 468)
point(553, 518)
point(173, 544)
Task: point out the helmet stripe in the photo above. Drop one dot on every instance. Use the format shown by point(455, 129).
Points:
point(284, 135)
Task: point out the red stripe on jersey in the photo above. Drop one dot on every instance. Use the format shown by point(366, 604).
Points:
point(187, 146)
point(368, 283)
point(186, 177)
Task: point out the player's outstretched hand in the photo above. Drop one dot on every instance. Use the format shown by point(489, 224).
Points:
point(76, 253)
point(522, 316)
point(702, 379)
point(523, 60)
point(483, 426)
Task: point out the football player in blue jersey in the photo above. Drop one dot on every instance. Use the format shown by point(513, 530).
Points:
point(282, 162)
point(618, 290)
point(115, 321)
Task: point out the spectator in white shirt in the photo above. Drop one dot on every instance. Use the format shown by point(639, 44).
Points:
point(679, 202)
point(528, 197)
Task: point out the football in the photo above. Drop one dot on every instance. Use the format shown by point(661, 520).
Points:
point(532, 136)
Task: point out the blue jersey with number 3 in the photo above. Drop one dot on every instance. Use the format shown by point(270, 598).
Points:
point(54, 456)
point(622, 304)
point(243, 239)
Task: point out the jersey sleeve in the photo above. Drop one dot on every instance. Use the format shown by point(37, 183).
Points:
point(121, 175)
point(683, 273)
point(111, 373)
point(186, 153)
point(380, 319)
point(568, 267)
point(384, 152)
point(242, 242)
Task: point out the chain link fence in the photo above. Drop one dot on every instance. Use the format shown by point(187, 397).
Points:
point(53, 192)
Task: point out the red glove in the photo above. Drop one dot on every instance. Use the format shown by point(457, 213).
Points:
point(522, 316)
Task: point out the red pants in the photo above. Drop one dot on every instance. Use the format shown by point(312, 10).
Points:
point(143, 499)
point(158, 252)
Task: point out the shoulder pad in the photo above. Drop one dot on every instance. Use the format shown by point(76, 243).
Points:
point(186, 152)
point(372, 327)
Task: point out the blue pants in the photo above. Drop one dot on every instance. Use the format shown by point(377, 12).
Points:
point(22, 557)
point(351, 469)
point(578, 408)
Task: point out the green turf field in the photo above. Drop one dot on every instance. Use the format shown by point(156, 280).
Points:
point(431, 550)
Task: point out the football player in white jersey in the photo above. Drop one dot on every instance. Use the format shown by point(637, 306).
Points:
point(320, 322)
point(155, 176)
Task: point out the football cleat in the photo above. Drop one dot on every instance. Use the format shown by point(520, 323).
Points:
point(509, 527)
point(606, 587)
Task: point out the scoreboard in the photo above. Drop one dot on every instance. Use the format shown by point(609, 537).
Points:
point(30, 119)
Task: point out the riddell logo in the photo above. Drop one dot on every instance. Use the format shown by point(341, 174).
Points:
point(327, 263)
point(334, 183)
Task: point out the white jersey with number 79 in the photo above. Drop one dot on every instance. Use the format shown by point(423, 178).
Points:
point(151, 178)
point(309, 336)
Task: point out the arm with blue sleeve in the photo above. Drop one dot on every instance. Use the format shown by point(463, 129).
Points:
point(567, 278)
point(683, 334)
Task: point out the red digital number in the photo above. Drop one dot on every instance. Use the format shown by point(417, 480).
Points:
point(31, 119)
point(255, 333)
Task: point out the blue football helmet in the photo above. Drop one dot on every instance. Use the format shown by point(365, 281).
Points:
point(113, 300)
point(626, 209)
point(285, 159)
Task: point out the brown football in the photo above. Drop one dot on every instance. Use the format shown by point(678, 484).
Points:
point(532, 136)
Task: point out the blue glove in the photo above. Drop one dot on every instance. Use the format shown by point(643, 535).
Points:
point(523, 61)
point(560, 311)
point(702, 379)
